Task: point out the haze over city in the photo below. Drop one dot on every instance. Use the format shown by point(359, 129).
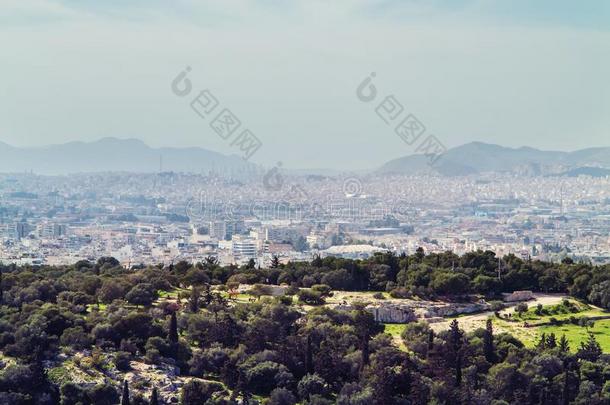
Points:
point(520, 75)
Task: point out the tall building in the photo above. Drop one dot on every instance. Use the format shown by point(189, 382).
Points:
point(51, 230)
point(16, 230)
point(218, 230)
point(244, 247)
point(224, 230)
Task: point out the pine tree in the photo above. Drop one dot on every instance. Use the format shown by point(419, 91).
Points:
point(590, 350)
point(173, 329)
point(551, 341)
point(430, 341)
point(564, 346)
point(488, 342)
point(125, 397)
point(275, 262)
point(154, 400)
point(541, 345)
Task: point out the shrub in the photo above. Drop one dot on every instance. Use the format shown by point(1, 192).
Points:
point(122, 360)
point(103, 394)
point(141, 294)
point(262, 378)
point(311, 384)
point(323, 289)
point(281, 396)
point(76, 338)
point(400, 292)
point(311, 297)
point(195, 392)
point(284, 299)
point(521, 308)
point(292, 290)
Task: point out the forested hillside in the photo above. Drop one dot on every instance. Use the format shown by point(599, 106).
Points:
point(97, 333)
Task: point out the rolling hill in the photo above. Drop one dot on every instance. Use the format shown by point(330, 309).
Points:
point(112, 154)
point(479, 157)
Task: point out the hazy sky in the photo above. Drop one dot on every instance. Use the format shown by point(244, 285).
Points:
point(515, 73)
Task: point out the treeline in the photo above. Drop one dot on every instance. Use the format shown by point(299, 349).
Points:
point(426, 276)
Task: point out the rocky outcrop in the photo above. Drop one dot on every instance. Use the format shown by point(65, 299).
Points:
point(273, 290)
point(405, 311)
point(393, 313)
point(452, 309)
point(386, 312)
point(517, 296)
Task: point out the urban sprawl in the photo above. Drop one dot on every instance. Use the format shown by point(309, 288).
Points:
point(167, 217)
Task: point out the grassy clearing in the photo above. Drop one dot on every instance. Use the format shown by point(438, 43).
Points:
point(577, 334)
point(515, 325)
point(394, 330)
point(574, 333)
point(172, 294)
point(560, 312)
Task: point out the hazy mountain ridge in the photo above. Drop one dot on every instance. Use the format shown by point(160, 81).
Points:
point(133, 155)
point(112, 154)
point(479, 157)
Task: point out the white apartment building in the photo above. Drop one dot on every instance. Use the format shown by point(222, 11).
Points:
point(244, 247)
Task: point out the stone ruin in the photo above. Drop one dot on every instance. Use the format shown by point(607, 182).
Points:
point(386, 312)
point(405, 311)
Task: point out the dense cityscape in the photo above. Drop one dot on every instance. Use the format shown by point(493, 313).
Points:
point(168, 217)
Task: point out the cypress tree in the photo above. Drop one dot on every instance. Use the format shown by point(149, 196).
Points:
point(456, 336)
point(125, 397)
point(566, 386)
point(309, 356)
point(154, 400)
point(488, 342)
point(564, 346)
point(173, 329)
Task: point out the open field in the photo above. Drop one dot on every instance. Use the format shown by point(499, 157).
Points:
point(515, 325)
point(474, 321)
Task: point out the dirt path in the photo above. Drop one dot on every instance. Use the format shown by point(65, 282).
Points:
point(472, 322)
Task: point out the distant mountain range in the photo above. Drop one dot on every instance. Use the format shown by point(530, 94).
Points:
point(112, 154)
point(479, 157)
point(132, 155)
